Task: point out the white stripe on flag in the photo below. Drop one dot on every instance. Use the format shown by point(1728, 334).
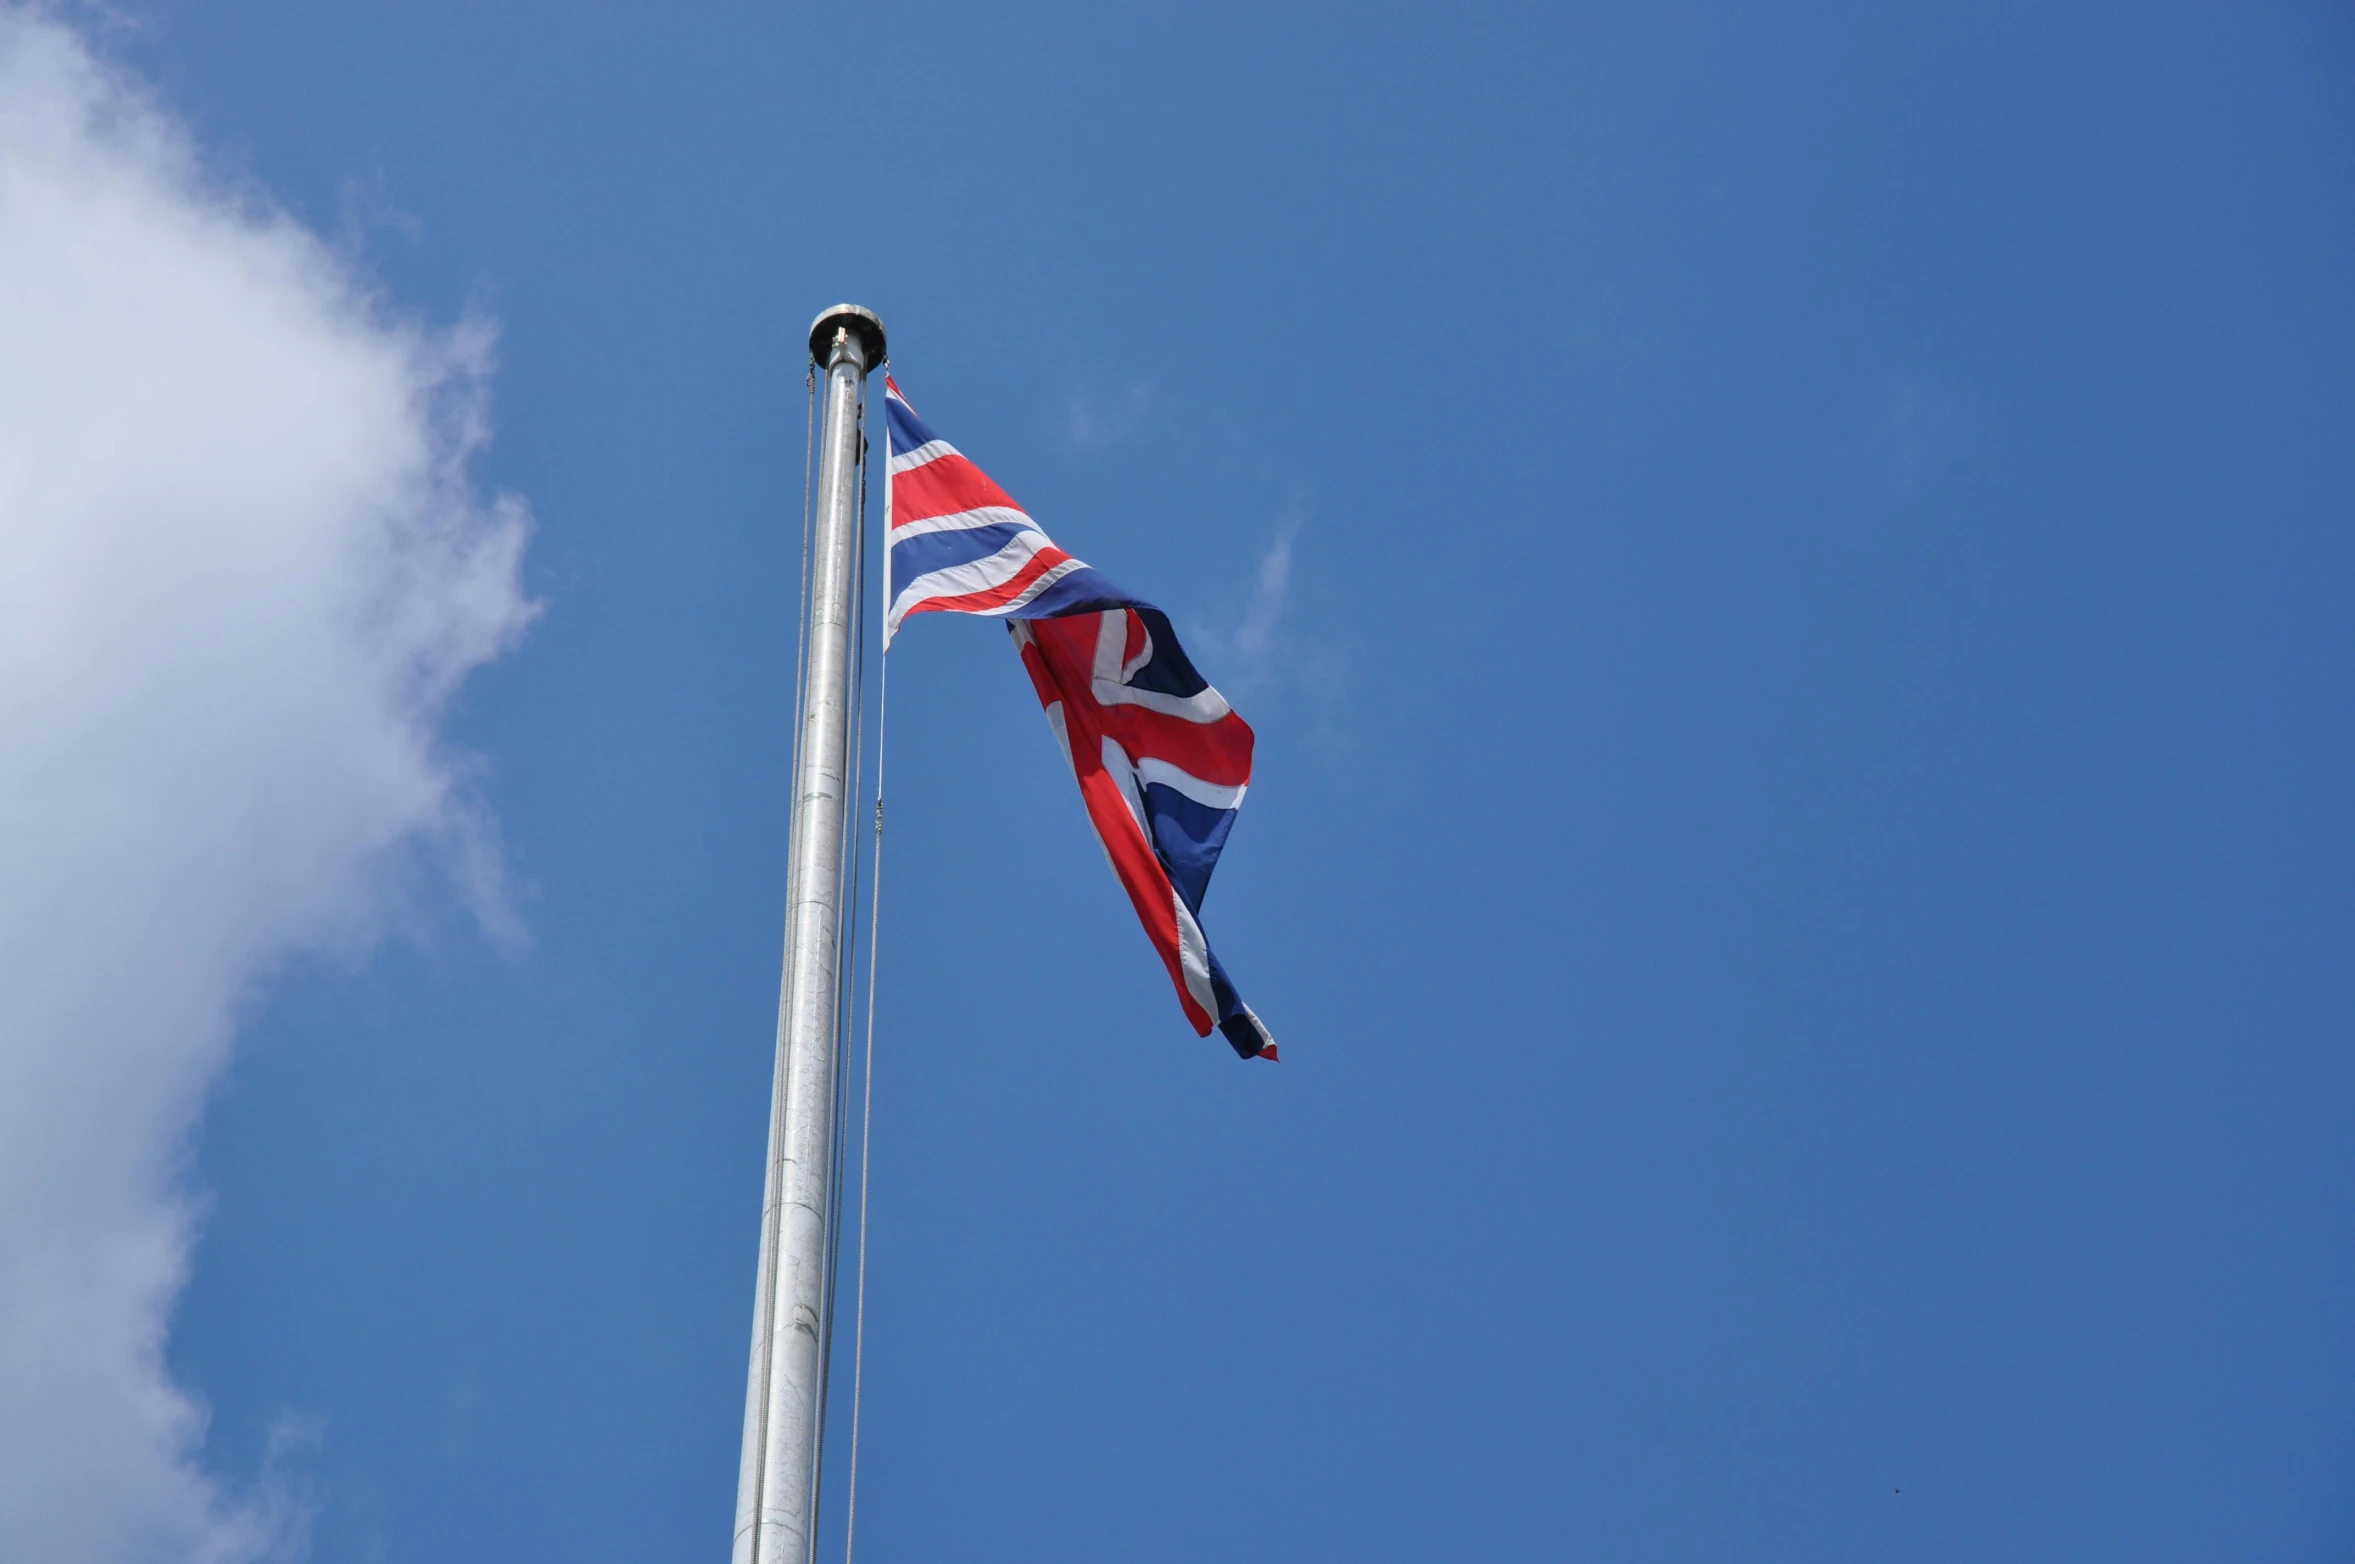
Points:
point(975, 575)
point(1112, 673)
point(1163, 774)
point(930, 451)
point(980, 576)
point(963, 521)
point(1124, 772)
point(1194, 958)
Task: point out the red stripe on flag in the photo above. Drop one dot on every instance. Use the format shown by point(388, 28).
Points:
point(1000, 595)
point(943, 487)
point(1217, 752)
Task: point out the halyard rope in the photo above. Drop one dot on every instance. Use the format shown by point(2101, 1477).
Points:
point(858, 1350)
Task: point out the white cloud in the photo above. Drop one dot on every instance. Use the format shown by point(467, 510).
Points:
point(1260, 653)
point(1092, 420)
point(1248, 650)
point(1254, 640)
point(241, 575)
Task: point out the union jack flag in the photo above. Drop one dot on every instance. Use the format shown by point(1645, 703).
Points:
point(1162, 760)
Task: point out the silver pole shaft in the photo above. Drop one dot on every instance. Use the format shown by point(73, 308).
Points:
point(776, 1497)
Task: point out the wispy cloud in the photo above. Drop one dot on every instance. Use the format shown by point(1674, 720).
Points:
point(1258, 649)
point(245, 573)
point(1256, 639)
point(1093, 419)
point(365, 208)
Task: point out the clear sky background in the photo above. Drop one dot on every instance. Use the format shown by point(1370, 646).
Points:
point(1792, 569)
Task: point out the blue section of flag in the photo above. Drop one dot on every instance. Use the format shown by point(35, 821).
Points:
point(906, 431)
point(930, 551)
point(1189, 835)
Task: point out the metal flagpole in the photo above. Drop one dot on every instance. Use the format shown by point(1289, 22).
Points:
point(776, 1485)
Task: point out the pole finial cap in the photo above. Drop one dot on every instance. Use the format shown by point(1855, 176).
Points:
point(864, 325)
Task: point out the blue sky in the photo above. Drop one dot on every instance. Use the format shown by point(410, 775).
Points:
point(1792, 576)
